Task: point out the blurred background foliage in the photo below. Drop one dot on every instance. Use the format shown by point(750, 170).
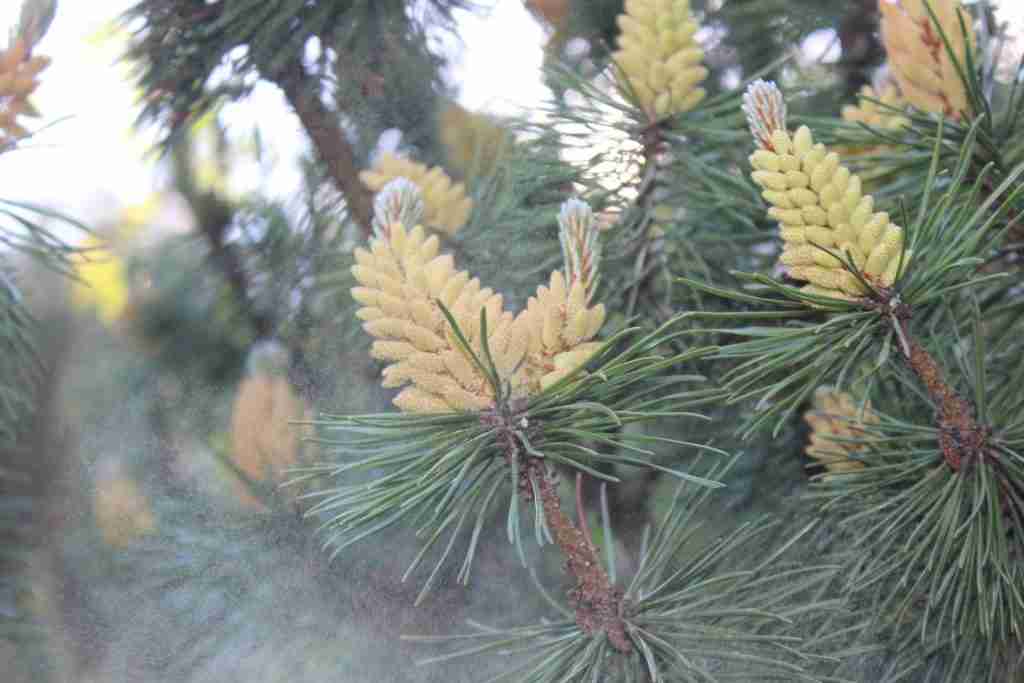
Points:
point(144, 533)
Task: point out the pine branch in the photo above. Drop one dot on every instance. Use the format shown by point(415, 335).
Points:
point(214, 225)
point(322, 126)
point(860, 47)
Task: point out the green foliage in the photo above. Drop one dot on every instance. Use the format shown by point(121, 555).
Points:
point(184, 314)
point(448, 470)
point(693, 611)
point(193, 55)
point(30, 235)
point(904, 566)
point(949, 241)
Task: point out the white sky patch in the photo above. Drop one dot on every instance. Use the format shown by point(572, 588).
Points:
point(500, 71)
point(1011, 12)
point(821, 47)
point(85, 162)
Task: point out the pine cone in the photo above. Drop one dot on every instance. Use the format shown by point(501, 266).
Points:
point(834, 419)
point(475, 144)
point(921, 64)
point(446, 205)
point(123, 513)
point(264, 443)
point(403, 279)
point(559, 323)
point(821, 209)
point(659, 57)
point(559, 320)
point(874, 115)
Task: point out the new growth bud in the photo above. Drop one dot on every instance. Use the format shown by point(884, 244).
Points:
point(399, 201)
point(766, 111)
point(404, 282)
point(20, 69)
point(446, 205)
point(922, 63)
point(581, 249)
point(660, 57)
point(826, 222)
point(836, 421)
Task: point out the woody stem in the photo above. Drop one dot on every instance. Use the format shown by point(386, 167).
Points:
point(597, 603)
point(960, 435)
point(329, 139)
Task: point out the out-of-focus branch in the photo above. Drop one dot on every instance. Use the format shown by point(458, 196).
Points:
point(321, 124)
point(213, 218)
point(861, 49)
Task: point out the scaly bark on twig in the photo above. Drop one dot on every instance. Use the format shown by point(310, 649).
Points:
point(960, 435)
point(597, 603)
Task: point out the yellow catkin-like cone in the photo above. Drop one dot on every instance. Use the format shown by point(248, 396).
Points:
point(123, 513)
point(819, 204)
point(264, 442)
point(659, 56)
point(559, 321)
point(834, 418)
point(404, 283)
point(19, 77)
point(475, 144)
point(560, 326)
point(875, 115)
point(921, 64)
point(403, 280)
point(447, 207)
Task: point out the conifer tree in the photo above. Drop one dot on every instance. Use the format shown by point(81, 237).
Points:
point(704, 268)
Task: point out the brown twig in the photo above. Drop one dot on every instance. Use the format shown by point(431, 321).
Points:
point(581, 513)
point(597, 603)
point(323, 128)
point(961, 437)
point(859, 44)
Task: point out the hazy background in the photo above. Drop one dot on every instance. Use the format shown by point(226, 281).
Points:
point(148, 567)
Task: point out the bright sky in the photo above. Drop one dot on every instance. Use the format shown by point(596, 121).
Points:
point(501, 68)
point(87, 160)
point(90, 163)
